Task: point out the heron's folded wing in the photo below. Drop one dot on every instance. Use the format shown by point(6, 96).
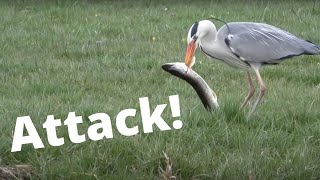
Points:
point(264, 43)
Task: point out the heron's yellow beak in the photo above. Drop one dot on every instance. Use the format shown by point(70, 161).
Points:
point(190, 53)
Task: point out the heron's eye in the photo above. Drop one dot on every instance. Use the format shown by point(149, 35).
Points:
point(195, 37)
point(194, 29)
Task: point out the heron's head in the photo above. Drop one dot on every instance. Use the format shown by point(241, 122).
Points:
point(198, 32)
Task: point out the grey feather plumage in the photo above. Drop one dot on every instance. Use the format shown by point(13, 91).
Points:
point(263, 43)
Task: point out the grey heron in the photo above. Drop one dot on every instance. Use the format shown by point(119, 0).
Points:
point(246, 45)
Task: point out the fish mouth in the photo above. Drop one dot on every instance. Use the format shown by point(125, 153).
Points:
point(178, 66)
point(175, 68)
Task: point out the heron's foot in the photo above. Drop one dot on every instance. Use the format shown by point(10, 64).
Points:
point(258, 101)
point(251, 112)
point(243, 105)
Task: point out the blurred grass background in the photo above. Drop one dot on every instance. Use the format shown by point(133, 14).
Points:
point(102, 56)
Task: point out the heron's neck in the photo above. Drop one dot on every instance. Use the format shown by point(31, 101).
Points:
point(214, 48)
point(209, 44)
point(209, 39)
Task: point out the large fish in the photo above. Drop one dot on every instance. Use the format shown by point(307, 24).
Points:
point(205, 93)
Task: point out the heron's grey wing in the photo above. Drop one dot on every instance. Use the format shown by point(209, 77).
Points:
point(263, 43)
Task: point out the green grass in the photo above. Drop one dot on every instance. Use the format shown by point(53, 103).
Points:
point(91, 56)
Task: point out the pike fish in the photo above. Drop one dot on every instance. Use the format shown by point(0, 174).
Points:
point(207, 96)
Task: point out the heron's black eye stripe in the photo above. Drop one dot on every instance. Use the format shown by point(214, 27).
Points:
point(194, 29)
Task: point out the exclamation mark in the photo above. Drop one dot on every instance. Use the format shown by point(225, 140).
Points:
point(175, 110)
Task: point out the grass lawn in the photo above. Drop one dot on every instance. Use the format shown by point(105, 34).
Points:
point(88, 57)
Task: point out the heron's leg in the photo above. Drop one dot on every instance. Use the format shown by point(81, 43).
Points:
point(256, 68)
point(251, 91)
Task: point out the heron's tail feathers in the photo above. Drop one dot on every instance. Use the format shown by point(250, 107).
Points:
point(311, 48)
point(318, 49)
